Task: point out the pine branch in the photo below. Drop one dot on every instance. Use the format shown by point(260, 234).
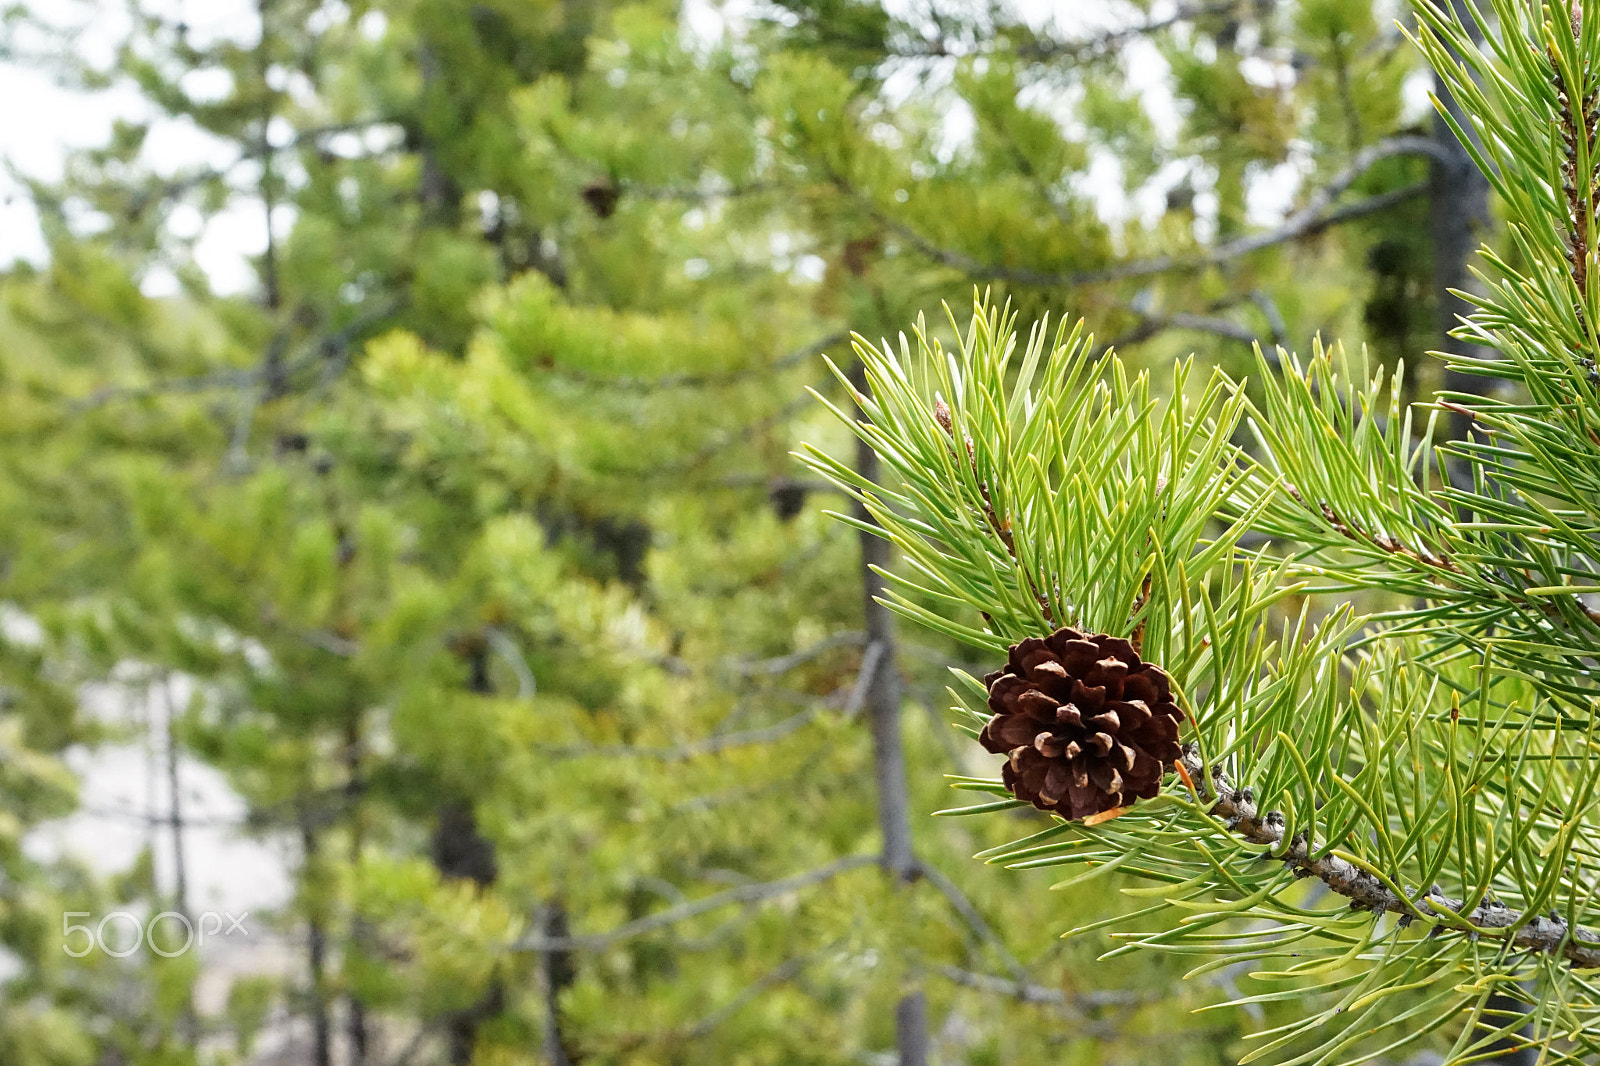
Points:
point(695, 749)
point(697, 194)
point(253, 151)
point(780, 974)
point(1545, 934)
point(999, 527)
point(1269, 310)
point(705, 381)
point(331, 348)
point(970, 914)
point(225, 379)
point(719, 443)
point(782, 664)
point(1352, 531)
point(1153, 325)
point(1037, 994)
point(752, 893)
point(1111, 41)
point(1078, 51)
point(1579, 189)
point(1020, 482)
point(1320, 214)
point(720, 742)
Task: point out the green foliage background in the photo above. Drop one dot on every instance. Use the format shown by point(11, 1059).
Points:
point(475, 525)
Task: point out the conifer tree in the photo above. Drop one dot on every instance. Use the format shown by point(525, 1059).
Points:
point(1372, 644)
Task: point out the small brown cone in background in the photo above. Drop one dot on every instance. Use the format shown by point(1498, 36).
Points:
point(1087, 725)
point(602, 197)
point(860, 253)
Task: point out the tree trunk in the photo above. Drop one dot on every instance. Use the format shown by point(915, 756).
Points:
point(557, 973)
point(462, 852)
point(316, 950)
point(440, 195)
point(188, 1023)
point(357, 1031)
point(882, 704)
point(272, 295)
point(1458, 220)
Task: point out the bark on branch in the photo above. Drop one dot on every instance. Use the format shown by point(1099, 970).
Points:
point(1547, 934)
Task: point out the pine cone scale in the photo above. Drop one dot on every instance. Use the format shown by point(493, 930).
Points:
point(1106, 720)
point(1039, 705)
point(1088, 700)
point(1085, 724)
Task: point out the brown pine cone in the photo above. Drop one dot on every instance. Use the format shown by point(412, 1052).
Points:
point(602, 196)
point(1088, 726)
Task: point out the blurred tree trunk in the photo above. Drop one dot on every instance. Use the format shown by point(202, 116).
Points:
point(1458, 222)
point(557, 973)
point(440, 195)
point(462, 853)
point(357, 1030)
point(188, 1023)
point(316, 944)
point(882, 704)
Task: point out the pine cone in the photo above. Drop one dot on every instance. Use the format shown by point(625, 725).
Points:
point(1087, 724)
point(602, 197)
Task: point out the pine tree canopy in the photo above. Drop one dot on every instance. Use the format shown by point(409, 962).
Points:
point(1382, 641)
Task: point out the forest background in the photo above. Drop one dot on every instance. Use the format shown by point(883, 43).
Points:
point(439, 569)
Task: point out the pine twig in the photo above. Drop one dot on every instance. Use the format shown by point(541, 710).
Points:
point(1545, 934)
point(1037, 994)
point(783, 973)
point(1000, 528)
point(1350, 531)
point(784, 663)
point(974, 919)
